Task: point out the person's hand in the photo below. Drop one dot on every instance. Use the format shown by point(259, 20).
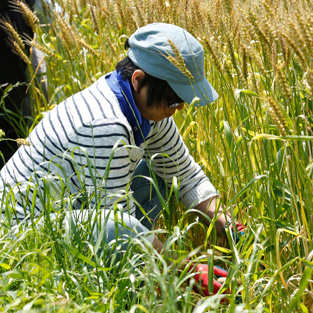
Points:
point(202, 279)
point(240, 229)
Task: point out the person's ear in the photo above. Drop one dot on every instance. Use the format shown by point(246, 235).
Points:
point(137, 79)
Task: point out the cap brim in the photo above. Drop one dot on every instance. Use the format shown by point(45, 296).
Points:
point(203, 90)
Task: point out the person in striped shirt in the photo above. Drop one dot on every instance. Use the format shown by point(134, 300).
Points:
point(109, 141)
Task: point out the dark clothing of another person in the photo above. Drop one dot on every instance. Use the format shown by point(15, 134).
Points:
point(13, 70)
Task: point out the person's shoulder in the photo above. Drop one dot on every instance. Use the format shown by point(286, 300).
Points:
point(102, 90)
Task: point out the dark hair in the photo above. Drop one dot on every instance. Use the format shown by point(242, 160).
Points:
point(158, 89)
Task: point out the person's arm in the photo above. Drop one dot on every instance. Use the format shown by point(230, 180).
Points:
point(171, 159)
point(193, 182)
point(223, 221)
point(158, 245)
point(209, 207)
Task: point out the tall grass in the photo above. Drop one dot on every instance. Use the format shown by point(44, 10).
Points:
point(254, 142)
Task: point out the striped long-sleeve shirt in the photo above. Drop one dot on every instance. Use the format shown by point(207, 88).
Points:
point(87, 144)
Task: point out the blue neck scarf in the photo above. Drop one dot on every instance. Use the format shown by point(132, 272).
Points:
point(122, 90)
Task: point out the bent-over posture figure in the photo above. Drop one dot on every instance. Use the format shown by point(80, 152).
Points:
point(119, 131)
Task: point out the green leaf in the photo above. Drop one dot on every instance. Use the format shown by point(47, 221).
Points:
point(303, 308)
point(5, 266)
point(224, 250)
point(306, 276)
point(228, 133)
point(245, 189)
point(139, 307)
point(248, 92)
point(82, 257)
point(280, 155)
point(289, 137)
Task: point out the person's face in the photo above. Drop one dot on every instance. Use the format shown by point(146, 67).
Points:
point(141, 97)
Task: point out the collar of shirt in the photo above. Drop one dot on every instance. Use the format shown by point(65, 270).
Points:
point(122, 90)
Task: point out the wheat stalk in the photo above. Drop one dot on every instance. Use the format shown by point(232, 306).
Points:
point(94, 18)
point(213, 53)
point(233, 59)
point(304, 29)
point(296, 34)
point(73, 7)
point(296, 49)
point(178, 60)
point(30, 17)
point(120, 10)
point(45, 50)
point(258, 30)
point(66, 32)
point(309, 77)
point(277, 116)
point(84, 44)
point(23, 142)
point(20, 52)
point(282, 80)
point(244, 63)
point(7, 26)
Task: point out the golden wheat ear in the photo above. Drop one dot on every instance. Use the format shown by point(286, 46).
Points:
point(178, 60)
point(29, 16)
point(277, 116)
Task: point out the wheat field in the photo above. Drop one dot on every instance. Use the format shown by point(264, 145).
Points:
point(254, 142)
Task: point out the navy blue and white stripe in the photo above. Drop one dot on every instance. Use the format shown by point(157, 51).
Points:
point(87, 143)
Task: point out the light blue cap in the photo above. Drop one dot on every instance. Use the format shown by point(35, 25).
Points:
point(149, 46)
